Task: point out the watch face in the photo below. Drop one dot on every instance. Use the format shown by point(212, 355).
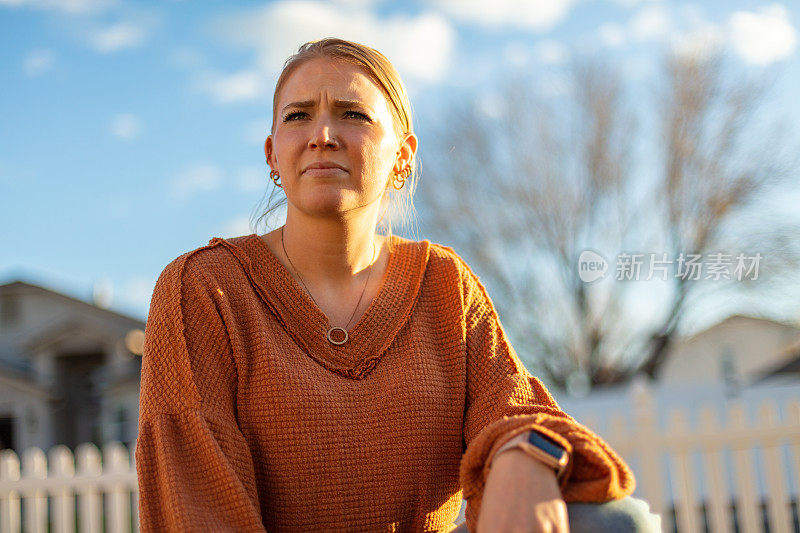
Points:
point(545, 444)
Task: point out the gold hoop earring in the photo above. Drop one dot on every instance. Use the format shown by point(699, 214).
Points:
point(400, 178)
point(275, 177)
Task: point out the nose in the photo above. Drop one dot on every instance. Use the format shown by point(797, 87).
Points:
point(322, 136)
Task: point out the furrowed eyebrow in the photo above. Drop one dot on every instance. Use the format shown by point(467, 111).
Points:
point(336, 103)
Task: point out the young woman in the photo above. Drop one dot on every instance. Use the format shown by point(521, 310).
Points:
point(326, 377)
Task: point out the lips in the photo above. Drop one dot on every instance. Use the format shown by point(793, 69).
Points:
point(324, 165)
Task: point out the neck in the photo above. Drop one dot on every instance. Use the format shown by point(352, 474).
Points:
point(328, 252)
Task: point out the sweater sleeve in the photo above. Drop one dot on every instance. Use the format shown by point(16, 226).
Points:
point(194, 466)
point(504, 399)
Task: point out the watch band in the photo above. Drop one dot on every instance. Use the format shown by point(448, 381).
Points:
point(541, 448)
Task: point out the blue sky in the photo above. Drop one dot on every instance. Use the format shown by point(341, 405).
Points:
point(132, 131)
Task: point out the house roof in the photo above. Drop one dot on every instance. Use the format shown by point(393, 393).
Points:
point(789, 366)
point(21, 287)
point(65, 329)
point(741, 318)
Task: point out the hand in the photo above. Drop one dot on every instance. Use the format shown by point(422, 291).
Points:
point(521, 495)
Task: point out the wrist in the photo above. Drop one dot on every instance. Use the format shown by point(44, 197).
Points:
point(538, 447)
point(516, 458)
point(522, 474)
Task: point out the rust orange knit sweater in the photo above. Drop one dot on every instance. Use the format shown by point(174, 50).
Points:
point(251, 421)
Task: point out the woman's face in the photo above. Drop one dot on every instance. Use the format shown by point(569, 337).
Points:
point(331, 113)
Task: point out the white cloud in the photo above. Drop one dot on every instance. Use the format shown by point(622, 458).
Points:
point(126, 126)
point(66, 6)
point(136, 291)
point(89, 21)
point(632, 3)
point(763, 37)
point(356, 4)
point(490, 105)
point(420, 47)
point(236, 227)
point(196, 179)
point(538, 16)
point(516, 54)
point(759, 37)
point(652, 22)
point(424, 52)
point(118, 37)
point(691, 15)
point(700, 43)
point(38, 62)
point(253, 179)
point(611, 34)
point(550, 51)
point(185, 57)
point(244, 85)
point(102, 292)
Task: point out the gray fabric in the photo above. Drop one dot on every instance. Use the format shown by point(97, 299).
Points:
point(628, 515)
point(625, 515)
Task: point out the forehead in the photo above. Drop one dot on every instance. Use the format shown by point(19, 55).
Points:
point(335, 79)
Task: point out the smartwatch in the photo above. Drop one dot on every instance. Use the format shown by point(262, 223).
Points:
point(540, 447)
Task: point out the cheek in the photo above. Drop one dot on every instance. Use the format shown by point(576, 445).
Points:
point(378, 164)
point(287, 146)
point(381, 154)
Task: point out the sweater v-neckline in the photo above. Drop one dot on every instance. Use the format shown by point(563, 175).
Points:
point(307, 324)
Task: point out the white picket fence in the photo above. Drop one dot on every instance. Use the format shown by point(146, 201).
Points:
point(700, 472)
point(722, 473)
point(99, 495)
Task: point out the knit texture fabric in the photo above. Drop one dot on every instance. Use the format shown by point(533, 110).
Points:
point(250, 420)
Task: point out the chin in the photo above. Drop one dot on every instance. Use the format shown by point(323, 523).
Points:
point(325, 205)
point(327, 201)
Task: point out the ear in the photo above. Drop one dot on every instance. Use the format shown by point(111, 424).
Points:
point(269, 152)
point(406, 152)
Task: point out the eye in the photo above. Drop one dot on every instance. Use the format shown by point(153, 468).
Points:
point(358, 115)
point(293, 115)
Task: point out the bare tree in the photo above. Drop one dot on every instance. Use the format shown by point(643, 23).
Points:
point(522, 190)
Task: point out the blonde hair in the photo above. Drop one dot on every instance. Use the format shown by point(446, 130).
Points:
point(384, 75)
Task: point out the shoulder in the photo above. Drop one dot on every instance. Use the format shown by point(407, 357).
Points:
point(447, 267)
point(445, 257)
point(197, 266)
point(439, 260)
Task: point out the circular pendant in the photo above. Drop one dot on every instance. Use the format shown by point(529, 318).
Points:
point(340, 335)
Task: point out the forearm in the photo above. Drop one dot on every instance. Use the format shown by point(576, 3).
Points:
point(521, 494)
point(523, 471)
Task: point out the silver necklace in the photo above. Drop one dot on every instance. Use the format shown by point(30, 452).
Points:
point(332, 329)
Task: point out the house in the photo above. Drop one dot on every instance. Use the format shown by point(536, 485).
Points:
point(69, 370)
point(740, 350)
point(741, 358)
